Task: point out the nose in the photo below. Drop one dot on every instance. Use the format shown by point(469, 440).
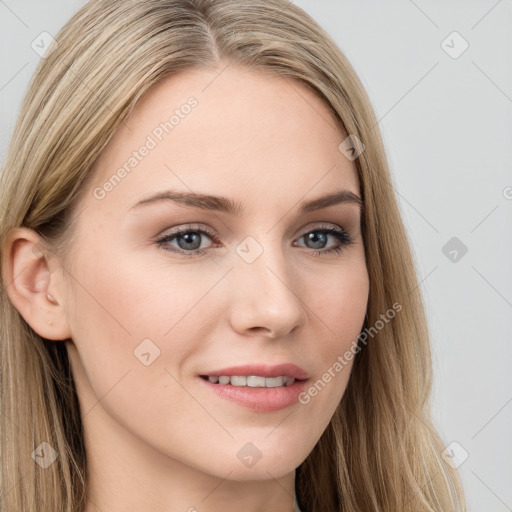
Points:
point(266, 297)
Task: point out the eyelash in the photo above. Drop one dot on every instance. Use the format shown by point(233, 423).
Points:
point(344, 238)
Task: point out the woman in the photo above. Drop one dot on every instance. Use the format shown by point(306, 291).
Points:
point(209, 299)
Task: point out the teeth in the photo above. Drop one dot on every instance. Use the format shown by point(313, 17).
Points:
point(289, 381)
point(252, 381)
point(255, 382)
point(239, 381)
point(274, 382)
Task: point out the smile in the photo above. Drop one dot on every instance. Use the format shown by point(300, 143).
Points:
point(252, 381)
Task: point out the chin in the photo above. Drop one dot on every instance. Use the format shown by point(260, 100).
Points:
point(262, 471)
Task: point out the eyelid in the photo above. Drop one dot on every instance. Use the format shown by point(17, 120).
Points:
point(321, 226)
point(187, 227)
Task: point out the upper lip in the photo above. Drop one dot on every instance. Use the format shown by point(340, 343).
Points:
point(263, 370)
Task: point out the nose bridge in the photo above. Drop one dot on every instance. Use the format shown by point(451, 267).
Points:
point(267, 294)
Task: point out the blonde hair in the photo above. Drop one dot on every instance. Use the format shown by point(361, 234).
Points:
point(380, 451)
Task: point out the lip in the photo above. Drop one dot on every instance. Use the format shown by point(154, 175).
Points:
point(259, 399)
point(263, 370)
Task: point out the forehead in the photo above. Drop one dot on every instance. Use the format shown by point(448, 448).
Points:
point(232, 131)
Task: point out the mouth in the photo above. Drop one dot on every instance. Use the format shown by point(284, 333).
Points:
point(251, 381)
point(259, 387)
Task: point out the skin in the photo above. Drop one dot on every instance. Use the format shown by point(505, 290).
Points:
point(156, 438)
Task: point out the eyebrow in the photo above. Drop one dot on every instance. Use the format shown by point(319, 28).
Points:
point(226, 205)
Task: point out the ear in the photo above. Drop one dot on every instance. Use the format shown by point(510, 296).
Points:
point(33, 285)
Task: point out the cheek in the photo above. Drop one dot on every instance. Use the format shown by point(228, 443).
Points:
point(119, 301)
point(340, 302)
point(127, 294)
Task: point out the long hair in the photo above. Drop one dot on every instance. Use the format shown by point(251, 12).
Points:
point(381, 450)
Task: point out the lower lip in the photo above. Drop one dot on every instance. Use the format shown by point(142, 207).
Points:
point(259, 399)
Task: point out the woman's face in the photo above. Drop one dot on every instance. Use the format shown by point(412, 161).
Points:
point(259, 283)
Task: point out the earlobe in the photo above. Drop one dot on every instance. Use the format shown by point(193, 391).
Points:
point(28, 278)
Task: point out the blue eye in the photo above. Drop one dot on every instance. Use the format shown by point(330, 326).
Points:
point(189, 240)
point(321, 234)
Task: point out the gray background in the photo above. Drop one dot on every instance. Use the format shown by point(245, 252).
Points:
point(447, 126)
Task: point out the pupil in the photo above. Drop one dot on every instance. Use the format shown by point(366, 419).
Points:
point(314, 237)
point(189, 239)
